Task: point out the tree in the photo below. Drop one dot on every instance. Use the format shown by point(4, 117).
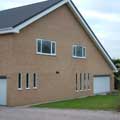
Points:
point(117, 75)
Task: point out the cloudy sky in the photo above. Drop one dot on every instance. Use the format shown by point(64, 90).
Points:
point(102, 16)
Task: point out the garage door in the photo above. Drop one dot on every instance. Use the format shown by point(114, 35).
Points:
point(3, 91)
point(101, 85)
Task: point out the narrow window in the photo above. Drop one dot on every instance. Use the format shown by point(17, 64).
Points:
point(88, 80)
point(34, 81)
point(80, 81)
point(84, 80)
point(19, 81)
point(76, 82)
point(88, 76)
point(27, 81)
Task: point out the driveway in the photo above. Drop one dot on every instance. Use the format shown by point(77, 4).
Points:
point(48, 114)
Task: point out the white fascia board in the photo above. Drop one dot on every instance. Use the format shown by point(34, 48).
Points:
point(8, 30)
point(82, 21)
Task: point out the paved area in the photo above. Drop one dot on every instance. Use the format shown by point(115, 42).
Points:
point(48, 114)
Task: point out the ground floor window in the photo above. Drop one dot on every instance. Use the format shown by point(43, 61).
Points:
point(85, 81)
point(34, 80)
point(19, 81)
point(27, 81)
point(88, 80)
point(82, 81)
point(76, 82)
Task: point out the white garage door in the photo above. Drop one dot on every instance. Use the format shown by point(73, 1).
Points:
point(3, 91)
point(101, 85)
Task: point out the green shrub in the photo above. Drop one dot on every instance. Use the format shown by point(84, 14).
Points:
point(118, 103)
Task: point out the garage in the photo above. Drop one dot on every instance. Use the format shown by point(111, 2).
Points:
point(3, 91)
point(101, 84)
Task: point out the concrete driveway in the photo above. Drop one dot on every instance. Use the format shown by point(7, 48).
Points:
point(48, 114)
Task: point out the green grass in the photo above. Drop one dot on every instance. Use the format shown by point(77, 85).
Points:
point(107, 102)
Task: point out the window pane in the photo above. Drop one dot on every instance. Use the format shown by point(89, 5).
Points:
point(46, 47)
point(27, 80)
point(34, 80)
point(53, 48)
point(88, 80)
point(74, 49)
point(76, 82)
point(84, 80)
point(79, 51)
point(80, 81)
point(19, 80)
point(84, 51)
point(39, 45)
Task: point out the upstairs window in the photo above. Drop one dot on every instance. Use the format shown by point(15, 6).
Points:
point(46, 47)
point(79, 51)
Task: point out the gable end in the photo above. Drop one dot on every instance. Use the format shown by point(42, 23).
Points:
point(82, 21)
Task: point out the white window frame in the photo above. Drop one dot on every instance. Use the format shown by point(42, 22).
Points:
point(83, 82)
point(41, 53)
point(36, 81)
point(28, 81)
point(84, 57)
point(21, 82)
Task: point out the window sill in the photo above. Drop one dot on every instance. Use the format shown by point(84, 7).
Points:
point(27, 88)
point(20, 89)
point(85, 90)
point(89, 89)
point(79, 57)
point(77, 91)
point(45, 54)
point(34, 88)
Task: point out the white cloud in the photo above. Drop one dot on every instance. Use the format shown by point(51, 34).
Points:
point(111, 17)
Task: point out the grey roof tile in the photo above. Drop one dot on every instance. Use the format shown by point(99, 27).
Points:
point(16, 16)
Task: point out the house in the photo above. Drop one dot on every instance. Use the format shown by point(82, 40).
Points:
point(48, 53)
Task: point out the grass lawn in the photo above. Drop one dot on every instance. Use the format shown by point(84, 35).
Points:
point(107, 102)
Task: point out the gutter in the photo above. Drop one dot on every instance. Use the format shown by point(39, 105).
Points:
point(8, 30)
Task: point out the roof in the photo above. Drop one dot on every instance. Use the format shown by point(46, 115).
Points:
point(13, 17)
point(14, 20)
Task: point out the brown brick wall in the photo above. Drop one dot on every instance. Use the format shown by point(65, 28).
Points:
point(18, 54)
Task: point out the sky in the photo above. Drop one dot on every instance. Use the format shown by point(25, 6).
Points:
point(102, 16)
